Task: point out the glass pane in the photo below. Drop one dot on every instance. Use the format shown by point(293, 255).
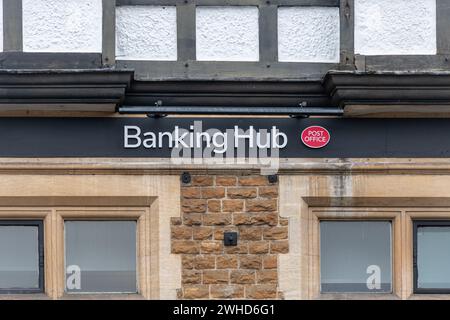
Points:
point(355, 256)
point(100, 256)
point(19, 257)
point(433, 257)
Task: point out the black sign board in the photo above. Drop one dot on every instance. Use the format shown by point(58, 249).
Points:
point(105, 137)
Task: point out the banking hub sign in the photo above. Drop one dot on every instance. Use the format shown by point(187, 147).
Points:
point(128, 137)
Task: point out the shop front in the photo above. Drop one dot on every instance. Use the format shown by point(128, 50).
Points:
point(202, 208)
point(167, 149)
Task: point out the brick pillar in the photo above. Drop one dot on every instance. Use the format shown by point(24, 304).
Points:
point(212, 205)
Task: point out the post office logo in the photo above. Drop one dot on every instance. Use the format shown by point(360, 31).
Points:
point(315, 137)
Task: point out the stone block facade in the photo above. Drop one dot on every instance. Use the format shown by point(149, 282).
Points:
point(212, 205)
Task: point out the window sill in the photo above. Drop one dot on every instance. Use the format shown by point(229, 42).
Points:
point(25, 296)
point(429, 296)
point(357, 296)
point(131, 296)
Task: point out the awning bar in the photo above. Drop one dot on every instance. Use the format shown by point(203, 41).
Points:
point(231, 110)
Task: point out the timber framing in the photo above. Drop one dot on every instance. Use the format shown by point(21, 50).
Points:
point(187, 68)
point(267, 68)
point(51, 61)
point(12, 25)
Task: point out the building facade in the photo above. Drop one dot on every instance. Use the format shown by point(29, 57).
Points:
point(338, 188)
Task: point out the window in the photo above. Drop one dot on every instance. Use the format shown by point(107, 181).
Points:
point(355, 256)
point(431, 256)
point(21, 257)
point(101, 256)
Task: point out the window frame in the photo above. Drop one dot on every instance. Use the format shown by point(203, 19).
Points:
point(391, 256)
point(416, 225)
point(319, 213)
point(95, 294)
point(41, 267)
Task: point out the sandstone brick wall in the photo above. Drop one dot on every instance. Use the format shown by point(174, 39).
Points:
point(212, 205)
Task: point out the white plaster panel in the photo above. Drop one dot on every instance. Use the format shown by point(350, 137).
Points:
point(227, 33)
point(308, 34)
point(146, 33)
point(62, 25)
point(1, 25)
point(387, 27)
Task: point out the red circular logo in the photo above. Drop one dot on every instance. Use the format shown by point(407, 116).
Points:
point(315, 137)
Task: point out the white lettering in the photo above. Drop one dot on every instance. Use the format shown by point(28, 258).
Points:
point(128, 136)
point(151, 142)
point(244, 135)
point(217, 145)
point(161, 138)
point(259, 135)
point(276, 134)
point(196, 145)
point(203, 136)
point(179, 139)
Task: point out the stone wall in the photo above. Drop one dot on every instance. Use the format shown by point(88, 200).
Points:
point(212, 205)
